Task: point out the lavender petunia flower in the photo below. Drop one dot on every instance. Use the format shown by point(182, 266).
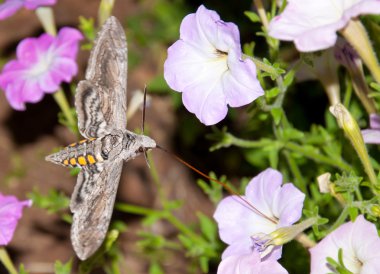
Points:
point(240, 226)
point(206, 66)
point(249, 264)
point(42, 64)
point(359, 242)
point(372, 135)
point(10, 7)
point(10, 213)
point(312, 25)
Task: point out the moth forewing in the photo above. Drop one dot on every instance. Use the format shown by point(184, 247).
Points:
point(107, 70)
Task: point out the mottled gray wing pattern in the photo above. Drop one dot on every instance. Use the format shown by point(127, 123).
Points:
point(105, 86)
point(92, 203)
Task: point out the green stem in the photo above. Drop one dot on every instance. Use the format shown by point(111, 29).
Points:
point(300, 182)
point(139, 210)
point(342, 217)
point(156, 178)
point(163, 214)
point(7, 262)
point(290, 146)
point(248, 143)
point(317, 157)
point(262, 66)
point(262, 13)
point(62, 102)
point(105, 10)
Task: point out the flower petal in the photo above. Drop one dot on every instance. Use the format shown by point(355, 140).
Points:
point(9, 7)
point(312, 25)
point(33, 4)
point(358, 241)
point(206, 66)
point(371, 136)
point(10, 213)
point(249, 264)
point(374, 121)
point(239, 85)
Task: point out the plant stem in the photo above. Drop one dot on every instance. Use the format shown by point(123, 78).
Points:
point(342, 217)
point(7, 262)
point(62, 102)
point(300, 182)
point(167, 215)
point(261, 11)
point(305, 241)
point(156, 179)
point(262, 66)
point(317, 157)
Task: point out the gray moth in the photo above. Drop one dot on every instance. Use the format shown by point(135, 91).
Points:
point(101, 105)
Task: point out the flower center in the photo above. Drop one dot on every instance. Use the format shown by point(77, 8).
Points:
point(262, 243)
point(43, 64)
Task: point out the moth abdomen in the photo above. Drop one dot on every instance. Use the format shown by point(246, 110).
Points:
point(80, 161)
point(78, 154)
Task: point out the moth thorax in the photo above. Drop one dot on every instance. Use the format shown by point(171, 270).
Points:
point(111, 145)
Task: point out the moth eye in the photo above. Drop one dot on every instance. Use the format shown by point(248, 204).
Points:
point(141, 149)
point(104, 154)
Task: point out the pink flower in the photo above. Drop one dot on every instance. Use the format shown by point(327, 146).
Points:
point(42, 64)
point(10, 213)
point(312, 25)
point(249, 264)
point(241, 227)
point(359, 243)
point(206, 66)
point(10, 7)
point(372, 135)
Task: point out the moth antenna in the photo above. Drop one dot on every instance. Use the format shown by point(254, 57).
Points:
point(224, 185)
point(143, 112)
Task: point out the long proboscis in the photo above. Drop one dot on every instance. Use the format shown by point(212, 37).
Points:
point(224, 185)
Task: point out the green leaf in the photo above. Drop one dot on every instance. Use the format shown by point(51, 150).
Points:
point(203, 261)
point(252, 16)
point(53, 202)
point(276, 114)
point(272, 93)
point(22, 270)
point(289, 78)
point(60, 268)
point(208, 227)
point(155, 268)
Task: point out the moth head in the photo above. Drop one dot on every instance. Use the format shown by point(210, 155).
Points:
point(146, 143)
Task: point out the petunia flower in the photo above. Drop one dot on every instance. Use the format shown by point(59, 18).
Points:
point(312, 25)
point(206, 65)
point(249, 264)
point(42, 64)
point(10, 213)
point(359, 243)
point(242, 228)
point(10, 7)
point(372, 135)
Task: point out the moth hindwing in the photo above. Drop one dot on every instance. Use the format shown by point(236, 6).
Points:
point(101, 107)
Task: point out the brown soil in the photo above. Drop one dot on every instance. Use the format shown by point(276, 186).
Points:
point(26, 137)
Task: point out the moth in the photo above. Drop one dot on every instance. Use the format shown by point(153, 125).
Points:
point(101, 105)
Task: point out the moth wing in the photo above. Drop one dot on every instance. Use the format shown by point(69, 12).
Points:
point(91, 121)
point(92, 205)
point(107, 75)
